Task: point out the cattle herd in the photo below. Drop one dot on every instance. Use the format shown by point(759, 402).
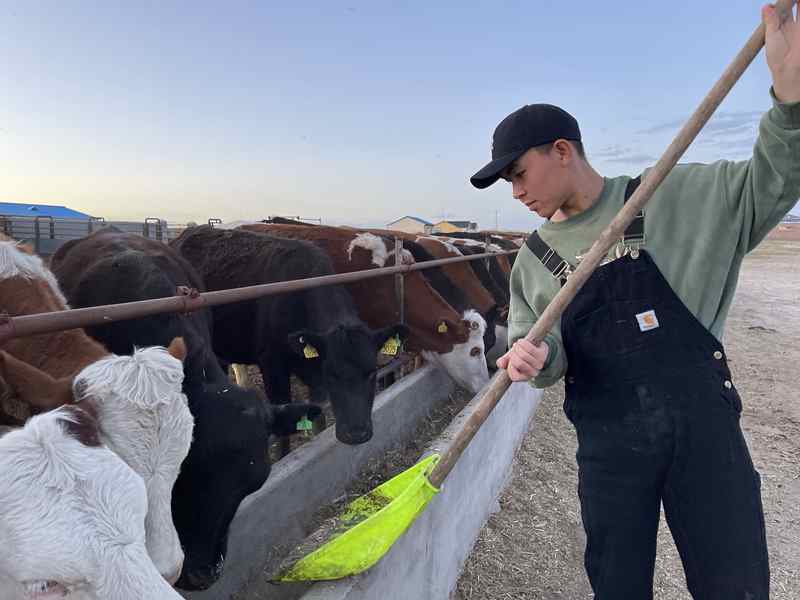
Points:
point(125, 449)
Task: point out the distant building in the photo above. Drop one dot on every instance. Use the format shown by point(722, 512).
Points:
point(22, 209)
point(410, 224)
point(452, 226)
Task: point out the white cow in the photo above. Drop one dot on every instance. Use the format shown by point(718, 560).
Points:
point(143, 417)
point(72, 516)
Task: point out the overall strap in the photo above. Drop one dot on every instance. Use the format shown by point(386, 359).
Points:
point(634, 234)
point(559, 267)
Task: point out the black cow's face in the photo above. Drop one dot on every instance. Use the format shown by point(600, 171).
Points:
point(344, 366)
point(228, 461)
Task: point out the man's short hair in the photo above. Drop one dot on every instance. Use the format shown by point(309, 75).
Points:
point(545, 148)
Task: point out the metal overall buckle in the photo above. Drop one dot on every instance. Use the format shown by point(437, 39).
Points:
point(629, 247)
point(563, 270)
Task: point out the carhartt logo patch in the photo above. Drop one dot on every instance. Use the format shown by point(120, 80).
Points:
point(647, 320)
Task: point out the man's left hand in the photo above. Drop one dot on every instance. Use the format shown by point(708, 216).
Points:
point(783, 53)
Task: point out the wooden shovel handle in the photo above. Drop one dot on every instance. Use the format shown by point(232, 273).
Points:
point(610, 236)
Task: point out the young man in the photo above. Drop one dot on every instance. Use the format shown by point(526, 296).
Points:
point(648, 387)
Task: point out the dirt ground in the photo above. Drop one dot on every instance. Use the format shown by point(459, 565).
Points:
point(533, 547)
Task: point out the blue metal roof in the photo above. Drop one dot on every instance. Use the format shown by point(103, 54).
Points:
point(18, 209)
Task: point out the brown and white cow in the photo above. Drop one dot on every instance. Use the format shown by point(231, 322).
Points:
point(457, 283)
point(72, 515)
point(495, 278)
point(445, 337)
point(142, 412)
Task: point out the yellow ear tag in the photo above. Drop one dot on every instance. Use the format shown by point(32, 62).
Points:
point(391, 346)
point(310, 352)
point(442, 327)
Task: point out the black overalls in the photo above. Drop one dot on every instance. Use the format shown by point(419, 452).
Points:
point(657, 417)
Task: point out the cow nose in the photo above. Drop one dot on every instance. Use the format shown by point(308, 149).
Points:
point(354, 436)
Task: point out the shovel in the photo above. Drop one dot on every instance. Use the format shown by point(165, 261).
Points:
point(365, 531)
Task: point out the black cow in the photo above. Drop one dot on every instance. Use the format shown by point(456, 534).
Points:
point(229, 456)
point(315, 334)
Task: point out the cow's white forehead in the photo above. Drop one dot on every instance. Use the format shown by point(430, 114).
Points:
point(15, 263)
point(473, 316)
point(147, 378)
point(377, 247)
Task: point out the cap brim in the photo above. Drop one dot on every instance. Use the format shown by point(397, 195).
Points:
point(491, 172)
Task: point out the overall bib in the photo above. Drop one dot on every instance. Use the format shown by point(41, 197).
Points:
point(650, 394)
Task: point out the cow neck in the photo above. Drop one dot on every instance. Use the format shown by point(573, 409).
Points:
point(58, 354)
point(328, 307)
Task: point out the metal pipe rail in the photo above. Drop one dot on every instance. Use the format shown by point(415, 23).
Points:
point(188, 300)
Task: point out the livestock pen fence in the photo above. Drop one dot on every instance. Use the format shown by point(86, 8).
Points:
point(283, 511)
point(46, 234)
point(188, 300)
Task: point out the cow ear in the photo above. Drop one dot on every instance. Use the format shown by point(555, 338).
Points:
point(285, 417)
point(33, 386)
point(306, 344)
point(177, 348)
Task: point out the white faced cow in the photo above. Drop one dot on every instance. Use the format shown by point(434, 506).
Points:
point(142, 416)
point(72, 516)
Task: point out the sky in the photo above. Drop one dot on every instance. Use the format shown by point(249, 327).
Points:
point(353, 112)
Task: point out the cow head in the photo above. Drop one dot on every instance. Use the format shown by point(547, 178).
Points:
point(144, 418)
point(228, 461)
point(73, 515)
point(340, 364)
point(466, 362)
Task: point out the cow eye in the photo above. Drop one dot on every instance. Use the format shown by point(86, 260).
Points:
point(475, 351)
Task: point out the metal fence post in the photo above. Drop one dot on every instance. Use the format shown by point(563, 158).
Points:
point(36, 235)
point(399, 282)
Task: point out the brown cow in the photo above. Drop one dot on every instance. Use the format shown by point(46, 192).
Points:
point(28, 287)
point(457, 283)
point(451, 340)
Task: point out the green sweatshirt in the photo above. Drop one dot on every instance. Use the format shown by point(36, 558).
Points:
point(699, 224)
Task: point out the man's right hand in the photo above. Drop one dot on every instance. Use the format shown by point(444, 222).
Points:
point(524, 360)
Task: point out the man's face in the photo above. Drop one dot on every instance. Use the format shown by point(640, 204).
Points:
point(539, 180)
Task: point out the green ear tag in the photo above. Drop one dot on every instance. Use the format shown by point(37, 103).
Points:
point(310, 352)
point(305, 425)
point(391, 346)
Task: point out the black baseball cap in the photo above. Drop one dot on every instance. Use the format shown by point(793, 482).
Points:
point(530, 126)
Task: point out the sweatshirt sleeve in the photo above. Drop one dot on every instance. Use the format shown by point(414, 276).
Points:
point(760, 191)
point(532, 288)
